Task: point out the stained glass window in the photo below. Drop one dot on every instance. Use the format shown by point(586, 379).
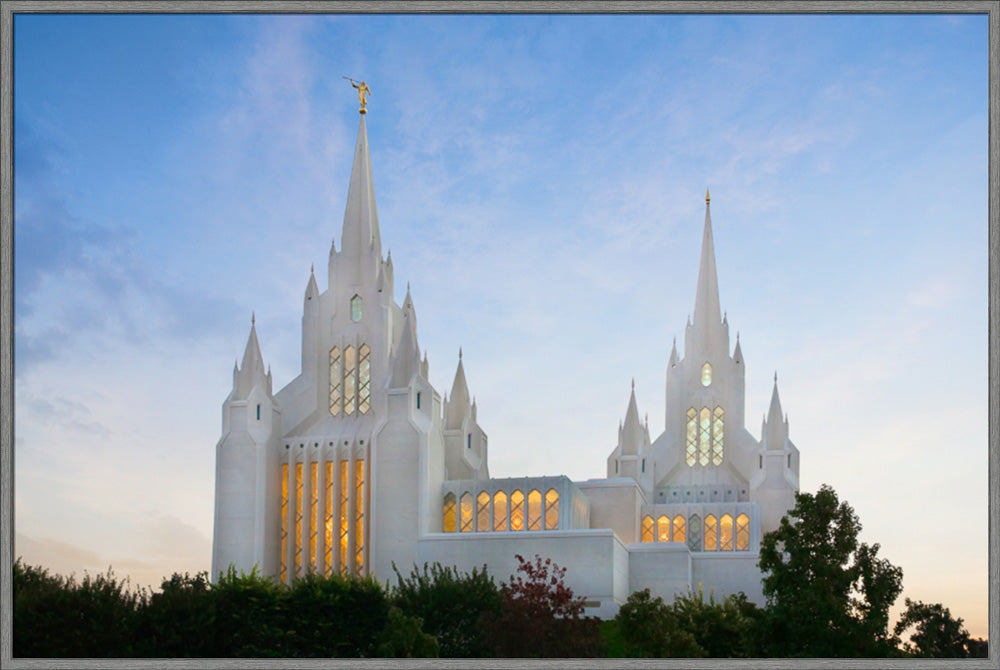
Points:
point(500, 511)
point(517, 511)
point(345, 519)
point(313, 515)
point(364, 378)
point(718, 433)
point(336, 381)
point(350, 381)
point(359, 516)
point(534, 510)
point(551, 509)
point(483, 511)
point(694, 533)
point(356, 308)
point(704, 436)
point(448, 523)
point(691, 456)
point(328, 516)
point(299, 506)
point(465, 512)
point(647, 529)
point(663, 529)
point(726, 533)
point(711, 533)
point(706, 374)
point(283, 575)
point(679, 528)
point(742, 533)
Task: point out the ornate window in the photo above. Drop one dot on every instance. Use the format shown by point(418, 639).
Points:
point(711, 533)
point(336, 381)
point(663, 529)
point(364, 379)
point(356, 308)
point(328, 516)
point(299, 506)
point(313, 514)
point(283, 575)
point(726, 533)
point(704, 436)
point(742, 533)
point(691, 455)
point(647, 529)
point(465, 513)
point(448, 522)
point(517, 511)
point(534, 510)
point(359, 516)
point(500, 511)
point(717, 436)
point(350, 381)
point(706, 374)
point(483, 511)
point(345, 520)
point(694, 533)
point(551, 509)
point(679, 528)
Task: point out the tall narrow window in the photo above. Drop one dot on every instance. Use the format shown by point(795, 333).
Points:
point(726, 533)
point(500, 511)
point(691, 455)
point(448, 522)
point(356, 308)
point(258, 411)
point(283, 574)
point(300, 505)
point(647, 529)
point(679, 528)
point(517, 511)
point(706, 374)
point(534, 510)
point(694, 533)
point(336, 381)
point(328, 517)
point(663, 529)
point(359, 516)
point(350, 381)
point(705, 436)
point(483, 511)
point(742, 533)
point(717, 436)
point(711, 533)
point(364, 379)
point(418, 399)
point(465, 512)
point(345, 519)
point(313, 515)
point(551, 509)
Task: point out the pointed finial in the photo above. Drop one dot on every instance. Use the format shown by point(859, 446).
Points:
point(775, 376)
point(633, 383)
point(460, 353)
point(312, 268)
point(253, 318)
point(707, 196)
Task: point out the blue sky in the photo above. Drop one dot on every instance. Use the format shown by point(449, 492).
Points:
point(540, 182)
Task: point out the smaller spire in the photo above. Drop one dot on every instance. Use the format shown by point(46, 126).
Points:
point(253, 319)
point(708, 197)
point(460, 353)
point(312, 268)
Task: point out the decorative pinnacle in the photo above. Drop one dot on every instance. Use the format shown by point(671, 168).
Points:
point(775, 376)
point(460, 353)
point(707, 196)
point(363, 93)
point(633, 383)
point(253, 318)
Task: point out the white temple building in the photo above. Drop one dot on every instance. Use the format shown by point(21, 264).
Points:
point(358, 462)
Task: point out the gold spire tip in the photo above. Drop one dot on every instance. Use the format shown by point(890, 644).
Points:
point(707, 196)
point(363, 93)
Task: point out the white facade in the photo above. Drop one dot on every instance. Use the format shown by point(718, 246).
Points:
point(358, 462)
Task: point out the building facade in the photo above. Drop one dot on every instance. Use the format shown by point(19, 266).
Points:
point(359, 463)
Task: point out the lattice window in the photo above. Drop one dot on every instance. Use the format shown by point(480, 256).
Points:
point(691, 456)
point(647, 529)
point(517, 510)
point(551, 509)
point(534, 510)
point(465, 513)
point(313, 515)
point(336, 381)
point(328, 516)
point(694, 533)
point(706, 374)
point(726, 533)
point(704, 436)
point(359, 515)
point(711, 533)
point(483, 511)
point(718, 433)
point(350, 381)
point(448, 522)
point(364, 379)
point(345, 519)
point(663, 529)
point(283, 573)
point(500, 511)
point(679, 528)
point(299, 507)
point(742, 533)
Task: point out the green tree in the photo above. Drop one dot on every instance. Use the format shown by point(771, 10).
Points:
point(403, 637)
point(179, 621)
point(648, 628)
point(726, 629)
point(936, 634)
point(828, 595)
point(335, 616)
point(451, 606)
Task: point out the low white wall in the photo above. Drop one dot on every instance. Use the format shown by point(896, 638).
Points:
point(727, 573)
point(662, 567)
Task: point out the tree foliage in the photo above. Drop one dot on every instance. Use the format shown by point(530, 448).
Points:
point(935, 633)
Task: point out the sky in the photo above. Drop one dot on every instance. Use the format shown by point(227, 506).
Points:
point(540, 183)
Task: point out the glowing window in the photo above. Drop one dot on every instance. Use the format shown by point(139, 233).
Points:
point(726, 533)
point(500, 511)
point(647, 529)
point(313, 515)
point(694, 533)
point(359, 517)
point(283, 575)
point(704, 436)
point(364, 379)
point(742, 533)
point(345, 520)
point(534, 510)
point(679, 528)
point(706, 374)
point(551, 509)
point(483, 511)
point(711, 533)
point(328, 516)
point(465, 513)
point(517, 511)
point(350, 381)
point(356, 308)
point(663, 529)
point(336, 381)
point(717, 436)
point(299, 506)
point(448, 522)
point(691, 455)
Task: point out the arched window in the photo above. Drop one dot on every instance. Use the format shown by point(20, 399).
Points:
point(328, 516)
point(663, 529)
point(726, 533)
point(283, 574)
point(534, 510)
point(350, 381)
point(704, 436)
point(336, 381)
point(359, 516)
point(647, 529)
point(465, 513)
point(299, 507)
point(345, 521)
point(314, 515)
point(356, 308)
point(742, 533)
point(483, 511)
point(691, 455)
point(706, 374)
point(364, 379)
point(679, 528)
point(717, 435)
point(500, 511)
point(448, 522)
point(711, 533)
point(694, 533)
point(551, 509)
point(517, 511)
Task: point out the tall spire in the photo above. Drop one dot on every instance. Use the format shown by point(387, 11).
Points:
point(706, 303)
point(459, 403)
point(632, 432)
point(360, 238)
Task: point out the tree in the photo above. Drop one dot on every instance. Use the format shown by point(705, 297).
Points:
point(648, 628)
point(726, 629)
point(178, 621)
point(936, 634)
point(827, 594)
